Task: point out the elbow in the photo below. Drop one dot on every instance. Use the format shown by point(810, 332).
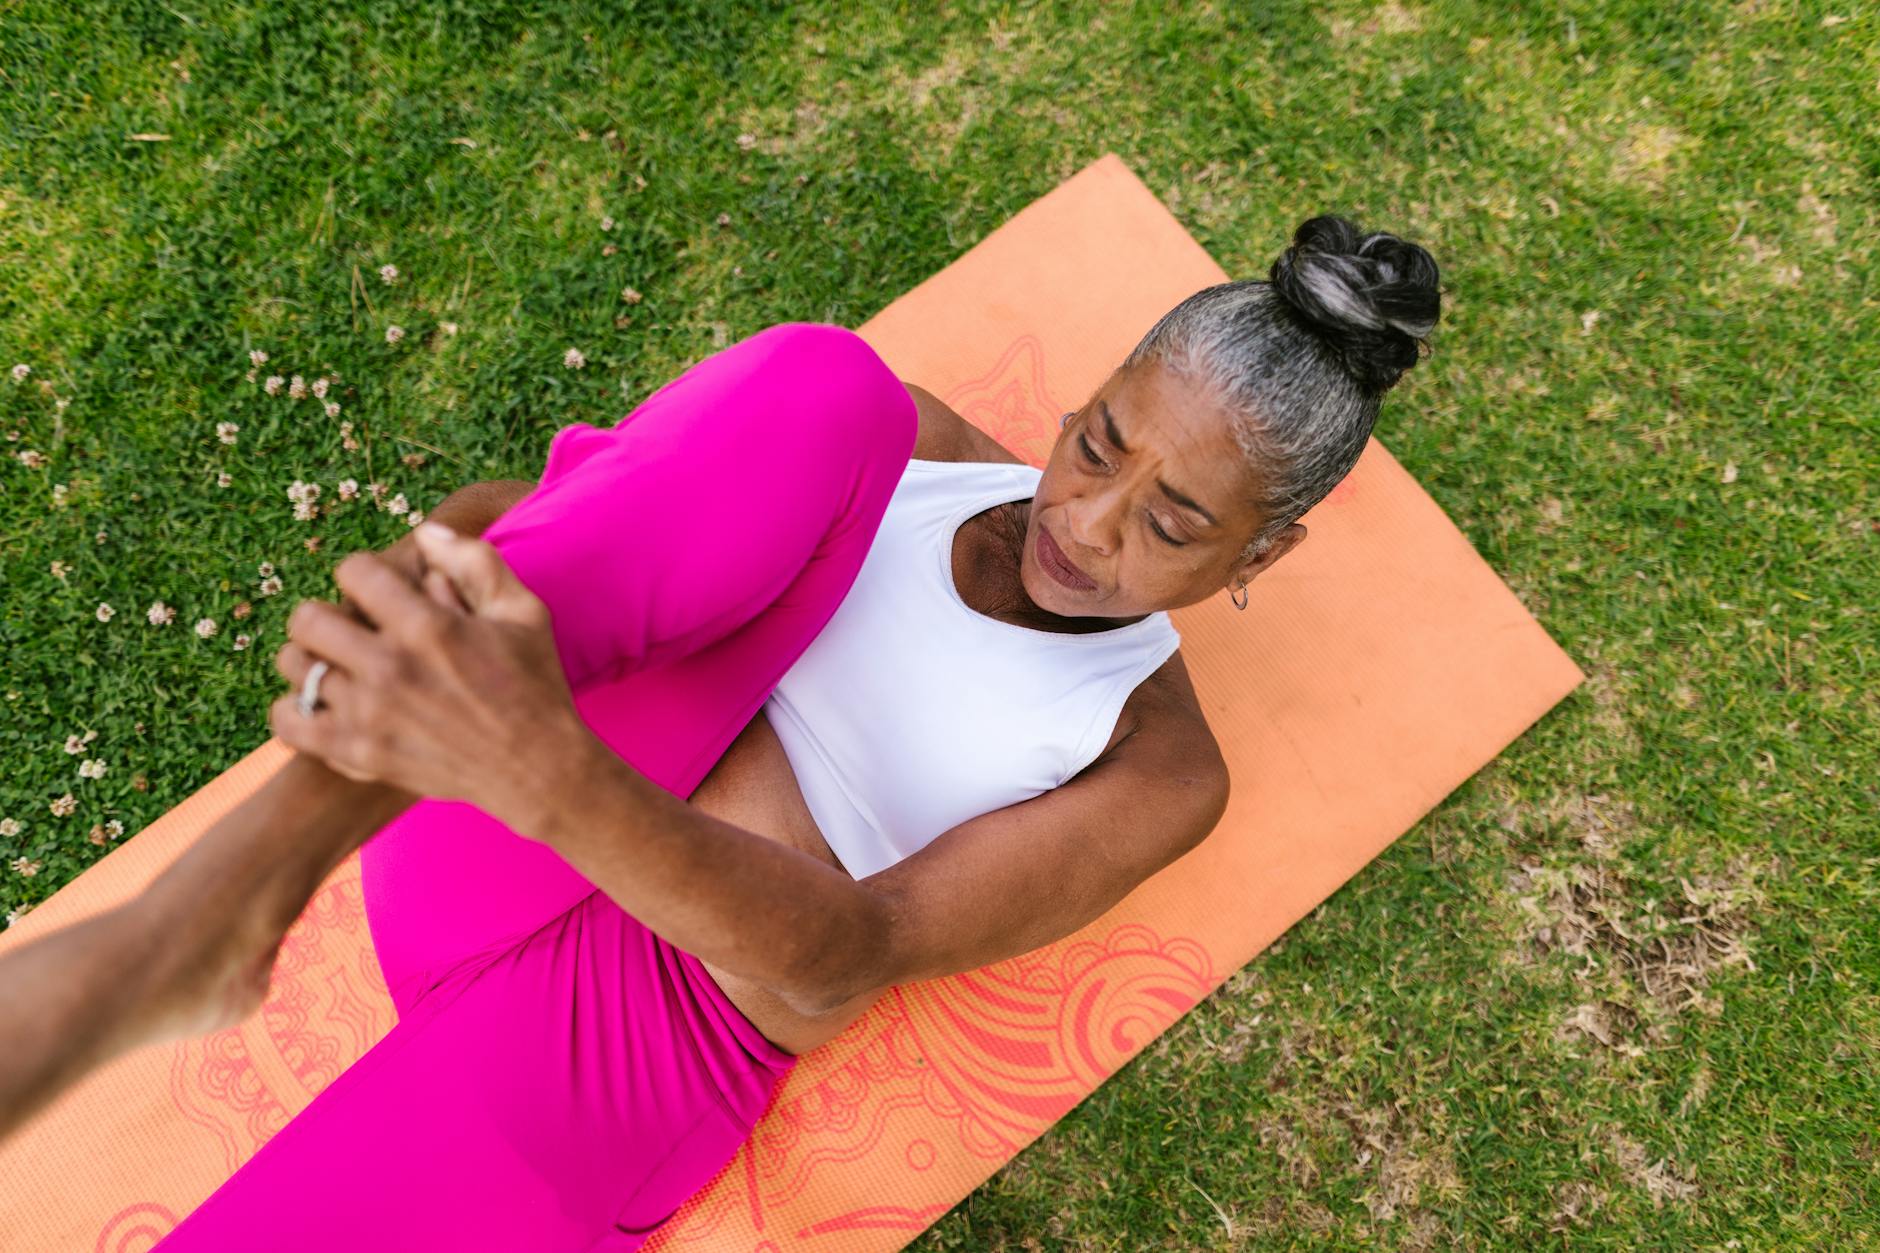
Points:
point(1212, 808)
point(852, 958)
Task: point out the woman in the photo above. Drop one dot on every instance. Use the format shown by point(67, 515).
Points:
point(796, 687)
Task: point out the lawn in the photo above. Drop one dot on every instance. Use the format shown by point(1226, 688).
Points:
point(1618, 991)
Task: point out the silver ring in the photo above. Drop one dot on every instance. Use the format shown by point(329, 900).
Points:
point(310, 688)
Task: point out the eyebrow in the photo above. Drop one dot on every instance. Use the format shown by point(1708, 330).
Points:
point(1116, 437)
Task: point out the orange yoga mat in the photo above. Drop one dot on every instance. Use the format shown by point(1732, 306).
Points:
point(1377, 666)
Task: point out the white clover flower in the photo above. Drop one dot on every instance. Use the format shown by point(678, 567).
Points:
point(416, 516)
point(724, 219)
point(306, 511)
point(64, 806)
point(224, 479)
point(205, 627)
point(160, 614)
point(272, 384)
point(257, 358)
point(9, 827)
point(319, 387)
point(271, 585)
point(58, 495)
point(607, 224)
point(60, 569)
point(74, 745)
point(265, 569)
point(105, 612)
point(241, 642)
point(573, 359)
point(377, 489)
point(20, 372)
point(92, 768)
point(348, 489)
point(397, 504)
point(225, 431)
point(303, 491)
point(32, 459)
point(25, 869)
point(631, 296)
point(747, 141)
point(394, 333)
point(297, 389)
point(332, 408)
point(114, 828)
point(449, 328)
point(388, 274)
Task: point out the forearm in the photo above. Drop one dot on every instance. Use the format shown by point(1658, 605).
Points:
point(756, 907)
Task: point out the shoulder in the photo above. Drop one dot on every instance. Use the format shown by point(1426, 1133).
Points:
point(1162, 725)
point(946, 436)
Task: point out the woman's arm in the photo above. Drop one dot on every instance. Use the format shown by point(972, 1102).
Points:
point(194, 951)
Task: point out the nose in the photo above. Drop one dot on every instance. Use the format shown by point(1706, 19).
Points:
point(1085, 525)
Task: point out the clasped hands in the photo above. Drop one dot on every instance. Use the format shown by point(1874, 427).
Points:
point(452, 688)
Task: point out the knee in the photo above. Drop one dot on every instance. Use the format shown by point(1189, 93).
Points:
point(841, 388)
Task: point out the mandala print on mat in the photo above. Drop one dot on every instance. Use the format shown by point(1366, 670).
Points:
point(326, 1006)
point(135, 1229)
point(1011, 403)
point(998, 1054)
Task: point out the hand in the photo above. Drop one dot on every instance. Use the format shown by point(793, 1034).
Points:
point(451, 689)
point(404, 556)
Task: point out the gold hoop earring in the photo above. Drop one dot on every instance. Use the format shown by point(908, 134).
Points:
point(1240, 602)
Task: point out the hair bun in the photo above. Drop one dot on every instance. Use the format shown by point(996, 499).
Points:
point(1372, 297)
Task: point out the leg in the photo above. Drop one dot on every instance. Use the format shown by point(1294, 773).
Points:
point(687, 557)
point(570, 1077)
point(562, 1095)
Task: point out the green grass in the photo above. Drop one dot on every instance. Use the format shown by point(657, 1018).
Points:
point(1680, 858)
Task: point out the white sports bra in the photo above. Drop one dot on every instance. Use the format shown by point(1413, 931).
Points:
point(911, 712)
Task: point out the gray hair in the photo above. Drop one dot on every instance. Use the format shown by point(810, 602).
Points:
point(1301, 361)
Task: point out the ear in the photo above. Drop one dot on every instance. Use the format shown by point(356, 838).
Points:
point(1281, 545)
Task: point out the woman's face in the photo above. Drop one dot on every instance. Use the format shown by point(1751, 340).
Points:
point(1102, 502)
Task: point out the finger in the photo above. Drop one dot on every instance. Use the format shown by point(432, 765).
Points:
point(482, 579)
point(299, 732)
point(332, 635)
point(389, 596)
point(336, 685)
point(317, 735)
point(438, 586)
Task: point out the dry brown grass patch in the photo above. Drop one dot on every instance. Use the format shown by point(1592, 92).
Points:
point(1666, 951)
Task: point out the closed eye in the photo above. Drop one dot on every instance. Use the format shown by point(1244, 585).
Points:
point(1155, 526)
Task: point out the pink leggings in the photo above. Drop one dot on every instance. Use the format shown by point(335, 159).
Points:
point(560, 1077)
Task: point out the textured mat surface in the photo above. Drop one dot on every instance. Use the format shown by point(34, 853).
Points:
point(1377, 667)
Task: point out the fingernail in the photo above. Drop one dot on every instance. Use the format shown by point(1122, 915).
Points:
point(436, 530)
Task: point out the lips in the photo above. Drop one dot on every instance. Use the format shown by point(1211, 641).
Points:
point(1052, 558)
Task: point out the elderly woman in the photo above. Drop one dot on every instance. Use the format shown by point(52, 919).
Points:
point(790, 687)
